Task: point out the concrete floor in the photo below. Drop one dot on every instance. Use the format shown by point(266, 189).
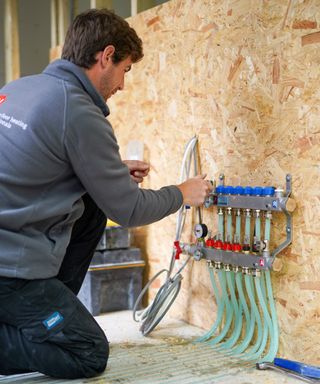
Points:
point(166, 356)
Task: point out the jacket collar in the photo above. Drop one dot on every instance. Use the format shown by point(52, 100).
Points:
point(68, 71)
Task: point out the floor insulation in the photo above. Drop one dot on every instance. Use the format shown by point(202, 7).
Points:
point(168, 356)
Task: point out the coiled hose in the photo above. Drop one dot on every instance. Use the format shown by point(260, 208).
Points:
point(150, 316)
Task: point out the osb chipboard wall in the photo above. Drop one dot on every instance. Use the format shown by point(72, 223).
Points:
point(244, 77)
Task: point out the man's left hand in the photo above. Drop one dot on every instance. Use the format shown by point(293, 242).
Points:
point(138, 169)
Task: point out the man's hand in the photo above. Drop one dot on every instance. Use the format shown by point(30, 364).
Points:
point(138, 169)
point(195, 190)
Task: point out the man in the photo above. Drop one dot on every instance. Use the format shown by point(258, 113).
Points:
point(61, 175)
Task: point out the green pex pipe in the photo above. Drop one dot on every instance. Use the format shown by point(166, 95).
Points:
point(250, 320)
point(266, 324)
point(229, 310)
point(247, 230)
point(263, 286)
point(221, 225)
point(264, 307)
point(220, 306)
point(274, 343)
point(229, 227)
point(237, 309)
point(267, 228)
point(254, 310)
point(238, 229)
point(247, 226)
point(257, 228)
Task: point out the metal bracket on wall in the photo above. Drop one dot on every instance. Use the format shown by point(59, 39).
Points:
point(288, 240)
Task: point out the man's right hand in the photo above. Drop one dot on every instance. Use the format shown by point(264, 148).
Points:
point(195, 190)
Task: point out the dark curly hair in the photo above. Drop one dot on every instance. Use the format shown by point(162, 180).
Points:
point(91, 31)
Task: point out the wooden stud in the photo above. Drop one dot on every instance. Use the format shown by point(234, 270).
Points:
point(60, 19)
point(11, 33)
point(134, 7)
point(54, 24)
point(63, 20)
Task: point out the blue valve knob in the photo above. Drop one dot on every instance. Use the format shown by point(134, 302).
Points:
point(223, 190)
point(229, 190)
point(219, 189)
point(248, 191)
point(238, 190)
point(268, 191)
point(257, 191)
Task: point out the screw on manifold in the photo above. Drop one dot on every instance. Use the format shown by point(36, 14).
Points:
point(227, 267)
point(236, 268)
point(197, 255)
point(208, 202)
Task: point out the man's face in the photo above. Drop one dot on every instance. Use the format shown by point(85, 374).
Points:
point(112, 78)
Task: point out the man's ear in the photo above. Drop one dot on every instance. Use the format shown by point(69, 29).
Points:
point(107, 54)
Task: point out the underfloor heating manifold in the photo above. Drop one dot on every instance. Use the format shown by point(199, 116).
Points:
point(240, 261)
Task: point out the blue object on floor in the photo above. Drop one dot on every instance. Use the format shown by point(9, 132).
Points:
point(303, 369)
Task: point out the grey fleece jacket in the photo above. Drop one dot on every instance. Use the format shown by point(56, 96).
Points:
point(55, 145)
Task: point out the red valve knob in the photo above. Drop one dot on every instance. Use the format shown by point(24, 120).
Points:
point(224, 246)
point(210, 243)
point(219, 244)
point(228, 247)
point(236, 247)
point(178, 250)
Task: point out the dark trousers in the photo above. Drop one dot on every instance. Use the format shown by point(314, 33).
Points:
point(43, 325)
